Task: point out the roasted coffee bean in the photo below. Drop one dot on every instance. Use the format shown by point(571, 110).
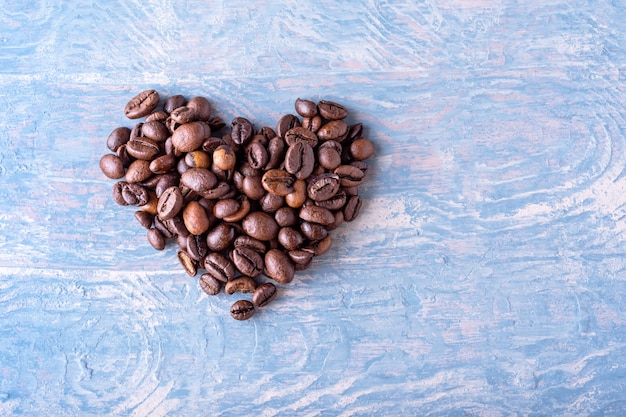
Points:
point(278, 181)
point(242, 310)
point(111, 165)
point(264, 294)
point(156, 239)
point(297, 197)
point(199, 180)
point(170, 203)
point(275, 150)
point(245, 241)
point(198, 159)
point(323, 187)
point(143, 148)
point(220, 237)
point(336, 202)
point(331, 110)
point(278, 266)
point(300, 257)
point(252, 187)
point(142, 104)
point(118, 137)
point(183, 114)
point(313, 231)
point(144, 218)
point(338, 221)
point(219, 267)
point(352, 208)
point(195, 218)
point(219, 191)
point(210, 144)
point(329, 154)
point(286, 123)
point(225, 208)
point(167, 233)
point(122, 153)
point(290, 238)
point(260, 225)
point(286, 216)
point(242, 130)
point(134, 194)
point(257, 155)
point(349, 175)
point(157, 116)
point(173, 102)
point(242, 284)
point(155, 130)
point(356, 131)
point(138, 171)
point(334, 130)
point(322, 246)
point(362, 165)
point(190, 136)
point(316, 214)
point(300, 160)
point(163, 164)
point(210, 284)
point(305, 108)
point(271, 202)
point(189, 265)
point(247, 261)
point(237, 216)
point(312, 123)
point(197, 247)
point(301, 134)
point(361, 149)
point(166, 181)
point(201, 108)
point(176, 226)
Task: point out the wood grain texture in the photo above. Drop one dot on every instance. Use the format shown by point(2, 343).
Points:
point(484, 277)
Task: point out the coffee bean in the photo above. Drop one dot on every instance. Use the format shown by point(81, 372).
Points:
point(290, 238)
point(118, 137)
point(271, 202)
point(336, 202)
point(190, 136)
point(155, 130)
point(305, 108)
point(349, 175)
point(257, 155)
point(300, 160)
point(144, 218)
point(198, 159)
point(361, 149)
point(331, 110)
point(170, 203)
point(260, 226)
point(252, 187)
point(111, 165)
point(210, 284)
point(312, 123)
point(197, 247)
point(275, 150)
point(264, 294)
point(334, 130)
point(278, 266)
point(188, 263)
point(247, 261)
point(183, 114)
point(157, 116)
point(142, 104)
point(286, 216)
point(301, 134)
point(143, 148)
point(195, 218)
point(156, 239)
point(166, 181)
point(352, 208)
point(117, 193)
point(219, 267)
point(323, 187)
point(134, 194)
point(243, 284)
point(237, 216)
point(242, 310)
point(297, 197)
point(286, 123)
point(329, 154)
point(173, 102)
point(313, 231)
point(201, 108)
point(163, 164)
point(316, 214)
point(242, 130)
point(199, 180)
point(277, 181)
point(224, 158)
point(226, 207)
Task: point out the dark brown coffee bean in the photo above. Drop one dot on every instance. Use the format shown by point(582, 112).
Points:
point(336, 202)
point(352, 208)
point(199, 180)
point(219, 267)
point(118, 137)
point(219, 191)
point(134, 194)
point(155, 130)
point(195, 218)
point(260, 225)
point(142, 104)
point(252, 187)
point(301, 257)
point(290, 238)
point(242, 284)
point(271, 202)
point(163, 164)
point(257, 155)
point(190, 136)
point(329, 154)
point(313, 231)
point(176, 226)
point(167, 233)
point(305, 108)
point(247, 261)
point(278, 266)
point(242, 310)
point(243, 211)
point(286, 123)
point(144, 218)
point(286, 216)
point(264, 294)
point(225, 208)
point(122, 153)
point(143, 148)
point(361, 149)
point(349, 175)
point(242, 130)
point(312, 123)
point(316, 214)
point(356, 131)
point(275, 150)
point(220, 237)
point(189, 265)
point(362, 165)
point(201, 108)
point(210, 144)
point(334, 130)
point(301, 134)
point(300, 160)
point(322, 246)
point(173, 102)
point(111, 165)
point(157, 116)
point(197, 247)
point(278, 181)
point(170, 203)
point(338, 221)
point(323, 187)
point(331, 110)
point(245, 241)
point(156, 239)
point(166, 181)
point(209, 284)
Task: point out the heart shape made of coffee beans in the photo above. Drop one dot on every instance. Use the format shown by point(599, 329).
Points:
point(241, 202)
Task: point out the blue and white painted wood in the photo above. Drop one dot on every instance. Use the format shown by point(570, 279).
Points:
point(486, 275)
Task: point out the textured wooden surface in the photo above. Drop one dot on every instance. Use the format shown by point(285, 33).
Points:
point(484, 277)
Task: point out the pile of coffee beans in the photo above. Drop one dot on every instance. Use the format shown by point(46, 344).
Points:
point(240, 202)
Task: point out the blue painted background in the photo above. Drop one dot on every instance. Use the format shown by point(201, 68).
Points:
point(484, 277)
